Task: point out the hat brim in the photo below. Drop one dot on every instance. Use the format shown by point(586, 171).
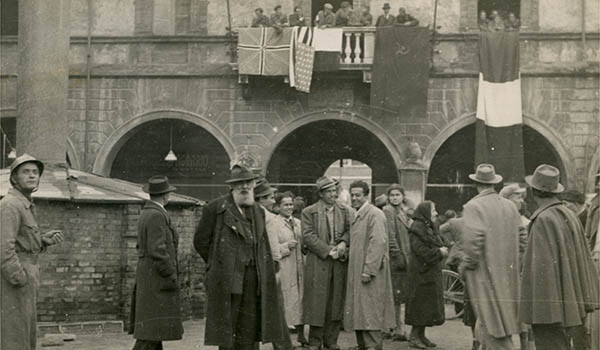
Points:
point(497, 179)
point(171, 188)
point(528, 179)
point(333, 184)
point(265, 192)
point(241, 179)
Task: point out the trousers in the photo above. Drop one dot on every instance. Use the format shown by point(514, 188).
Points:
point(369, 340)
point(141, 344)
point(550, 337)
point(327, 335)
point(245, 313)
point(489, 342)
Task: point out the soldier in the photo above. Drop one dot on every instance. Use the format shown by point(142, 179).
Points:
point(260, 20)
point(297, 18)
point(325, 18)
point(21, 243)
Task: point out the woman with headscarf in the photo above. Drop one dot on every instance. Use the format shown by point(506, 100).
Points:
point(398, 223)
point(425, 303)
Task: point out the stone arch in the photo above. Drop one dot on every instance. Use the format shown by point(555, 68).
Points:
point(73, 155)
point(551, 136)
point(592, 171)
point(331, 114)
point(110, 148)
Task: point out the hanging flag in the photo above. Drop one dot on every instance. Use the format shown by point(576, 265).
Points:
point(328, 48)
point(400, 75)
point(302, 56)
point(499, 123)
point(264, 51)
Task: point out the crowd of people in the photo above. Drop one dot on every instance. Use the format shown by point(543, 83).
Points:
point(496, 22)
point(345, 16)
point(338, 266)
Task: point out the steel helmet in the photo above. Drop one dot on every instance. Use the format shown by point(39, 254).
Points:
point(25, 158)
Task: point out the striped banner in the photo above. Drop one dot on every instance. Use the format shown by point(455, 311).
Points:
point(499, 123)
point(264, 51)
point(302, 56)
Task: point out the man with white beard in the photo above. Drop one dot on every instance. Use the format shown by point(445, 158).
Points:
point(242, 306)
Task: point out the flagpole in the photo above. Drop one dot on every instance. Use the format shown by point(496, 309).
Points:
point(230, 33)
point(435, 6)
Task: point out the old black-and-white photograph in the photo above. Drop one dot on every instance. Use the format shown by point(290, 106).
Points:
point(300, 174)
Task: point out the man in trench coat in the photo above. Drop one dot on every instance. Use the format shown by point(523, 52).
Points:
point(326, 234)
point(491, 260)
point(369, 298)
point(560, 283)
point(155, 309)
point(242, 305)
point(21, 243)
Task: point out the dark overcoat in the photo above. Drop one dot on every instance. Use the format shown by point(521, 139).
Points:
point(397, 225)
point(220, 242)
point(157, 314)
point(316, 272)
point(425, 303)
point(560, 282)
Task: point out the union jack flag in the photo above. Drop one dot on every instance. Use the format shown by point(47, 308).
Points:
point(264, 51)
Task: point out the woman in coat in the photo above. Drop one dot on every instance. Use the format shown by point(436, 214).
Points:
point(397, 227)
point(291, 263)
point(425, 303)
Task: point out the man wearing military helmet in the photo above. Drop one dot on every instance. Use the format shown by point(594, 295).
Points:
point(20, 243)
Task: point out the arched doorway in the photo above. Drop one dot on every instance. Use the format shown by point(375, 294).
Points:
point(306, 153)
point(202, 162)
point(448, 184)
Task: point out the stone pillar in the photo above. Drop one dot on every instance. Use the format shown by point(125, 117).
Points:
point(414, 181)
point(42, 88)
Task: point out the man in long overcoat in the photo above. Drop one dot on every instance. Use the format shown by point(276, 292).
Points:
point(560, 284)
point(491, 260)
point(21, 242)
point(326, 234)
point(369, 298)
point(242, 306)
point(156, 309)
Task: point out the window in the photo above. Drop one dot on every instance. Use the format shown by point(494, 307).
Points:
point(504, 7)
point(9, 17)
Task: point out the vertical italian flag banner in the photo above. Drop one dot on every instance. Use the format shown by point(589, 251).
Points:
point(499, 123)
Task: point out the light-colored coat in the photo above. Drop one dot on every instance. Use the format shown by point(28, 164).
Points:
point(20, 245)
point(291, 266)
point(369, 306)
point(491, 255)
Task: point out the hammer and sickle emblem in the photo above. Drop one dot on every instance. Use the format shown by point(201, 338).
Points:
point(403, 50)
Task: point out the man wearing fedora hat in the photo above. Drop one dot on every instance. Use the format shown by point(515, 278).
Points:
point(155, 313)
point(490, 263)
point(560, 284)
point(242, 304)
point(21, 242)
point(326, 234)
point(386, 19)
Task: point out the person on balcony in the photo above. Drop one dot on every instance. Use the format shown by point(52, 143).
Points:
point(497, 22)
point(512, 23)
point(278, 19)
point(297, 19)
point(343, 15)
point(405, 19)
point(260, 20)
point(325, 18)
point(483, 21)
point(365, 18)
point(386, 19)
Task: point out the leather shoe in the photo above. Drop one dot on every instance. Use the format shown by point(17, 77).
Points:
point(399, 337)
point(428, 343)
point(416, 343)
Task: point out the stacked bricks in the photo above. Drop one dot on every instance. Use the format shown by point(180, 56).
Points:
point(90, 276)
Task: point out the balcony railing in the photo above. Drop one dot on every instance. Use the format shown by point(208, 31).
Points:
point(358, 48)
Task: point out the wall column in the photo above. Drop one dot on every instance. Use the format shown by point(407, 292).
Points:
point(42, 87)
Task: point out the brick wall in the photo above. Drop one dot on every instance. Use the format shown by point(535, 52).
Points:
point(89, 277)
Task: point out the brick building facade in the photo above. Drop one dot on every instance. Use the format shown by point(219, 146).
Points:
point(151, 61)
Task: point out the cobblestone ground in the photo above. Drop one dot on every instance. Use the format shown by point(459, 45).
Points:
point(453, 335)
